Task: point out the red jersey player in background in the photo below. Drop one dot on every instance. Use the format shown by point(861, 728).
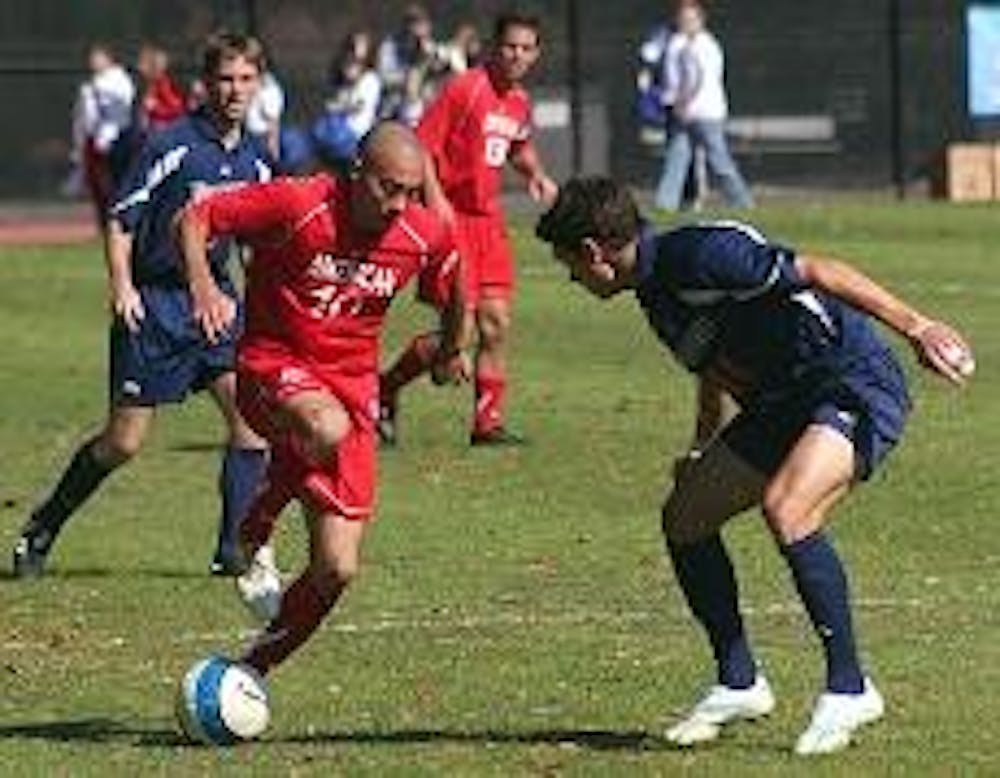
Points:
point(479, 121)
point(329, 254)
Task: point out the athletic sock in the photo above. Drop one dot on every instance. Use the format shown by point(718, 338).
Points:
point(491, 395)
point(415, 360)
point(303, 608)
point(239, 479)
point(822, 585)
point(80, 480)
point(706, 576)
point(258, 525)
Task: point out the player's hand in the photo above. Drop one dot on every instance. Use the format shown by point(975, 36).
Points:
point(213, 310)
point(454, 368)
point(543, 189)
point(943, 350)
point(126, 304)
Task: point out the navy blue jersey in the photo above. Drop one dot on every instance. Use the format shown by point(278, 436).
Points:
point(172, 166)
point(729, 303)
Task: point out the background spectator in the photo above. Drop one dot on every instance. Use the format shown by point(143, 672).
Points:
point(654, 105)
point(351, 109)
point(266, 109)
point(408, 63)
point(162, 99)
point(464, 50)
point(101, 118)
point(694, 86)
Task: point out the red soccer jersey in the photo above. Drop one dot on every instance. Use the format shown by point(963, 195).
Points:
point(316, 287)
point(469, 130)
point(162, 103)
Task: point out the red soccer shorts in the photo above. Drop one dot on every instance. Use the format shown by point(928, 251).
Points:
point(97, 174)
point(487, 257)
point(346, 485)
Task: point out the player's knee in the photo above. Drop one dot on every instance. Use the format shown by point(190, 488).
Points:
point(686, 519)
point(335, 570)
point(494, 323)
point(675, 523)
point(784, 513)
point(118, 446)
point(326, 427)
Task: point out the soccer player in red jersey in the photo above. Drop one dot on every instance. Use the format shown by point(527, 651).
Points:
point(329, 254)
point(479, 122)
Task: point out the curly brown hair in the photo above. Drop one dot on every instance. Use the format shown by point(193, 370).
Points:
point(594, 207)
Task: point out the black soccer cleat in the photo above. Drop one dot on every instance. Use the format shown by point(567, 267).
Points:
point(498, 436)
point(29, 556)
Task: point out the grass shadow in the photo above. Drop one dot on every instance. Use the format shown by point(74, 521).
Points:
point(590, 739)
point(84, 573)
point(101, 730)
point(96, 730)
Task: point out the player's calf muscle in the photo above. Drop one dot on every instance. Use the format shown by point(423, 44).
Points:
point(336, 547)
point(681, 524)
point(122, 437)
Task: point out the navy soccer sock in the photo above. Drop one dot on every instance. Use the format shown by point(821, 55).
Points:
point(242, 471)
point(822, 585)
point(706, 576)
point(80, 479)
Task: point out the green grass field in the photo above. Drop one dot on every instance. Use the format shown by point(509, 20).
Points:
point(515, 615)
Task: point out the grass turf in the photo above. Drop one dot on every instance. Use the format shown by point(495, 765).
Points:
point(514, 615)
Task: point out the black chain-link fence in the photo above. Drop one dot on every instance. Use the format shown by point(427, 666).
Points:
point(811, 83)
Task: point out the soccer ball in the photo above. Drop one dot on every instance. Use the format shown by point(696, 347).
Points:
point(221, 702)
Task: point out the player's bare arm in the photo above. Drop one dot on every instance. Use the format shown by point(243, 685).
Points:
point(212, 309)
point(124, 298)
point(525, 160)
point(452, 364)
point(938, 346)
point(434, 196)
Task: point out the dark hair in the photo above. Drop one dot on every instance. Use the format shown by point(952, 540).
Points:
point(224, 45)
point(509, 19)
point(590, 207)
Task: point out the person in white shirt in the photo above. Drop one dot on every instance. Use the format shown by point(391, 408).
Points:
point(352, 107)
point(102, 116)
point(694, 87)
point(265, 112)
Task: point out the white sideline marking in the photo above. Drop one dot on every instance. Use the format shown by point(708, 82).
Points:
point(446, 623)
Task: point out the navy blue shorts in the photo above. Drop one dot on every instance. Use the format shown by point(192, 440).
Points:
point(168, 357)
point(867, 405)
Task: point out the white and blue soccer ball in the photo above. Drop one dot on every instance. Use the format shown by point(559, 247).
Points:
point(221, 702)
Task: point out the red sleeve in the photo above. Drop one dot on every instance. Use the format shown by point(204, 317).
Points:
point(438, 275)
point(171, 101)
point(436, 123)
point(250, 212)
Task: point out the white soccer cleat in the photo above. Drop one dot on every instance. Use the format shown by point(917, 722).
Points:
point(720, 706)
point(260, 586)
point(835, 719)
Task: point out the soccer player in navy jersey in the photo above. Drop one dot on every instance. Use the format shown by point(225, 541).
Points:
point(821, 401)
point(157, 352)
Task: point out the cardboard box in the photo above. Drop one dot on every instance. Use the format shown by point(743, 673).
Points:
point(968, 173)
